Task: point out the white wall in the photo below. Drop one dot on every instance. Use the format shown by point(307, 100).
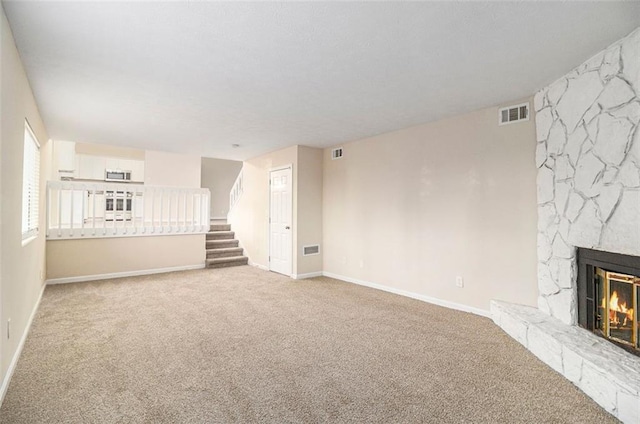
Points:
point(171, 169)
point(415, 208)
point(22, 267)
point(250, 216)
point(218, 175)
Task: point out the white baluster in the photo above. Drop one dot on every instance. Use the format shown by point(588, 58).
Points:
point(161, 211)
point(153, 210)
point(93, 214)
point(71, 215)
point(82, 212)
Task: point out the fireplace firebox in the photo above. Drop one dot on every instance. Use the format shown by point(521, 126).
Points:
point(609, 296)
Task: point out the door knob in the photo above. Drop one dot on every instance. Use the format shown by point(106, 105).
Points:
point(287, 228)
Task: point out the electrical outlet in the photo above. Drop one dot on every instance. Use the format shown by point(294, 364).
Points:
point(41, 275)
point(459, 282)
point(361, 264)
point(9, 328)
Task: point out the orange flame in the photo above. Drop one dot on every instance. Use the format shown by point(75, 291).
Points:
point(616, 306)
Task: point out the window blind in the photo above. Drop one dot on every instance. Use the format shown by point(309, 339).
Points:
point(30, 183)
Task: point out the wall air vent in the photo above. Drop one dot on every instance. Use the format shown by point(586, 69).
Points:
point(511, 114)
point(311, 250)
point(336, 153)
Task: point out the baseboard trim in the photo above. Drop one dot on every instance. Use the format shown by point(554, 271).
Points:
point(428, 299)
point(16, 355)
point(307, 275)
point(218, 218)
point(96, 277)
point(262, 267)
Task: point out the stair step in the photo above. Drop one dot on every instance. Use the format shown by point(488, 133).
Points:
point(220, 235)
point(221, 244)
point(225, 252)
point(220, 227)
point(227, 262)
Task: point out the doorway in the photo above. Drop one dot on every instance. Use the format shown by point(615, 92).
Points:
point(280, 220)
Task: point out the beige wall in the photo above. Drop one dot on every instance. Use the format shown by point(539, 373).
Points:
point(126, 254)
point(171, 169)
point(415, 208)
point(76, 258)
point(309, 211)
point(109, 151)
point(250, 216)
point(21, 267)
point(218, 175)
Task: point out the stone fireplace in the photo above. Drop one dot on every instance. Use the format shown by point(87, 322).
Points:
point(588, 160)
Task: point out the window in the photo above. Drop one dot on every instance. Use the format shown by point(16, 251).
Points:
point(30, 183)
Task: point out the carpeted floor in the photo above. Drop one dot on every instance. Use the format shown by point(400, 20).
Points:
point(244, 345)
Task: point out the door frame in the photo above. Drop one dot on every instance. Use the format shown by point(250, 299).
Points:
point(280, 168)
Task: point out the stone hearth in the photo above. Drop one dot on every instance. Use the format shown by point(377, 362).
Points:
point(588, 160)
point(602, 370)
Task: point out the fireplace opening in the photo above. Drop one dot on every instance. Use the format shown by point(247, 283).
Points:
point(609, 296)
point(617, 306)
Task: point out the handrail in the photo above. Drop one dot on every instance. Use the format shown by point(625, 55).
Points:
point(236, 190)
point(95, 210)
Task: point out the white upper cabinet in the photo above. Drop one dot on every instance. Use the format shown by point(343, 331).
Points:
point(67, 164)
point(65, 158)
point(113, 163)
point(135, 166)
point(91, 167)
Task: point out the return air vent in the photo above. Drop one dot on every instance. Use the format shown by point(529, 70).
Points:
point(511, 114)
point(336, 153)
point(311, 250)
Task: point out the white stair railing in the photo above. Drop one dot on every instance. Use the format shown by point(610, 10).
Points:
point(78, 210)
point(236, 190)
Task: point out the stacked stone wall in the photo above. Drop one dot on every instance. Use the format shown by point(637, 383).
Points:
point(588, 159)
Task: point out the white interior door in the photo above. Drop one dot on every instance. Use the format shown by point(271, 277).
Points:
point(280, 212)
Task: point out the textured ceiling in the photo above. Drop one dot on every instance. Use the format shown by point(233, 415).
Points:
point(197, 77)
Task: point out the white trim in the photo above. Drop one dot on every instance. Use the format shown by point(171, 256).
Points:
point(30, 239)
point(280, 168)
point(96, 277)
point(249, 261)
point(262, 267)
point(16, 355)
point(428, 299)
point(293, 188)
point(75, 234)
point(307, 275)
point(218, 218)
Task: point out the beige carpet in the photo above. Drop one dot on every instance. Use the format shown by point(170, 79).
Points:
point(244, 345)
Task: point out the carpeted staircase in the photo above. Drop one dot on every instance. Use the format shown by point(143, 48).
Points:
point(222, 248)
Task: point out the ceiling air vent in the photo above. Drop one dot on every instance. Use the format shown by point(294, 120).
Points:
point(336, 153)
point(511, 114)
point(311, 250)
